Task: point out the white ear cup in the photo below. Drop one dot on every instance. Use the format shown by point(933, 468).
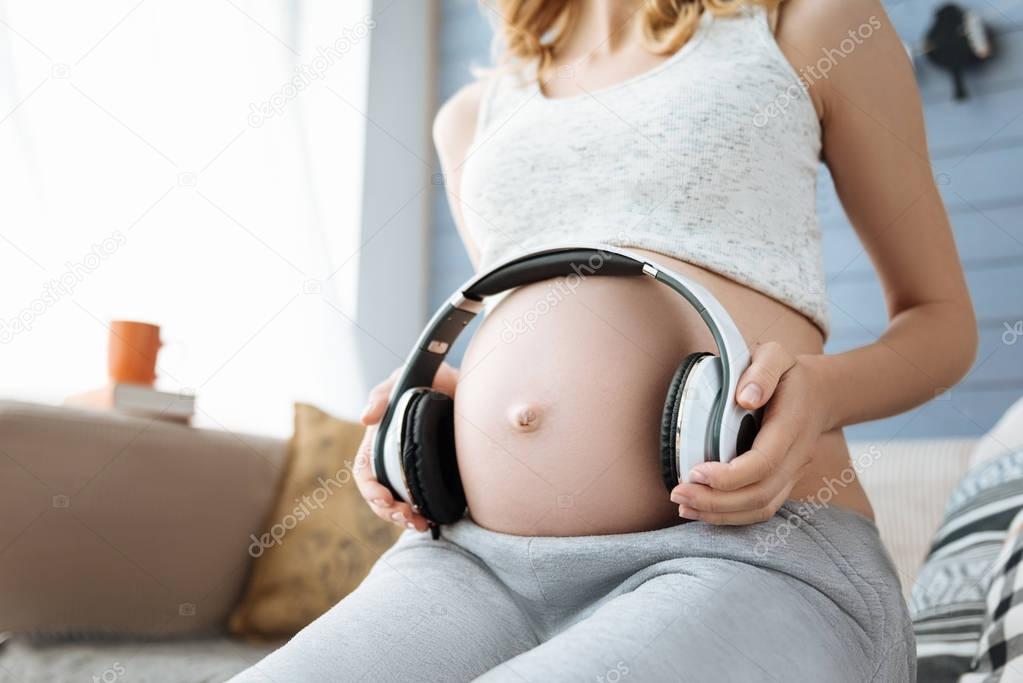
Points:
point(697, 400)
point(393, 444)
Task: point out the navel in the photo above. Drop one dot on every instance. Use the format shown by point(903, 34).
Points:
point(525, 418)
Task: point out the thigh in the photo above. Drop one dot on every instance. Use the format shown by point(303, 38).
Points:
point(427, 611)
point(707, 620)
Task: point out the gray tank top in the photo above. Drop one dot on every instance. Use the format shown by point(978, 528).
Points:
point(711, 158)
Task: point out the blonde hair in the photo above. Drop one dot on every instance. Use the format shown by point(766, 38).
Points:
point(532, 31)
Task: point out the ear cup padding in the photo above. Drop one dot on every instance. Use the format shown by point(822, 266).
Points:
point(669, 418)
point(748, 429)
point(428, 458)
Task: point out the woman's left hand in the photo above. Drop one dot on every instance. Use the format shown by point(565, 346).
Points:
point(753, 486)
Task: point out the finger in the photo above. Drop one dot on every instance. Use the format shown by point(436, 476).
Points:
point(381, 499)
point(376, 404)
point(375, 493)
point(761, 514)
point(362, 466)
point(401, 513)
point(377, 401)
point(446, 379)
point(759, 463)
point(386, 507)
point(756, 385)
point(705, 499)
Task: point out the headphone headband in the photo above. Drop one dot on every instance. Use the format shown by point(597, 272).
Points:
point(545, 265)
point(583, 261)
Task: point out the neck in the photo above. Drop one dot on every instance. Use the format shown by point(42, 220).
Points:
point(603, 26)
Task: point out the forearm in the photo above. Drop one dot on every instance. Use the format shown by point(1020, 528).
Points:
point(924, 351)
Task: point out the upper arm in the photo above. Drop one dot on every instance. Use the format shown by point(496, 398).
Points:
point(875, 146)
point(453, 130)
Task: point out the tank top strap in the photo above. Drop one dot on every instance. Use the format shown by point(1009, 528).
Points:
point(503, 92)
point(759, 23)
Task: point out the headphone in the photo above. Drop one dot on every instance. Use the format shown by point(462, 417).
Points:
point(414, 449)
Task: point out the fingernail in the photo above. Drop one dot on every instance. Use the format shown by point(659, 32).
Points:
point(379, 502)
point(751, 394)
point(365, 411)
point(397, 516)
point(410, 525)
point(680, 499)
point(697, 477)
point(688, 513)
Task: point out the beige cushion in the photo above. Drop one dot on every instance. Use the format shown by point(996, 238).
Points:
point(320, 538)
point(123, 524)
point(908, 485)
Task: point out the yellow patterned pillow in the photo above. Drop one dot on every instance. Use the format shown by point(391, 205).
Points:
point(320, 539)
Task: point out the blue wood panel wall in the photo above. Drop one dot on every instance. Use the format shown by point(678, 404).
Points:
point(977, 148)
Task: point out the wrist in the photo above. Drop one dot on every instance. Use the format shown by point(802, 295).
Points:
point(818, 369)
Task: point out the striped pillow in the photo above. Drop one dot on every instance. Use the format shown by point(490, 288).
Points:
point(948, 598)
point(1001, 646)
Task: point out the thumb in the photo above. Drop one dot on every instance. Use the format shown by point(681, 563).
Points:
point(758, 382)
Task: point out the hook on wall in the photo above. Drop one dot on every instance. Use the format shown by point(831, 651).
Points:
point(957, 40)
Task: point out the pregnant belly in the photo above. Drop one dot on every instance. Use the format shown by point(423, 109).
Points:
point(558, 407)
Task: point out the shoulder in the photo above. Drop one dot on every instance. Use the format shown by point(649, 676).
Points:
point(455, 123)
point(823, 23)
point(836, 44)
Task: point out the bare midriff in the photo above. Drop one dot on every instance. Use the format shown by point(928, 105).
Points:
point(559, 403)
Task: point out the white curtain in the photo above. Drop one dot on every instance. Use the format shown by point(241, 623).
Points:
point(193, 163)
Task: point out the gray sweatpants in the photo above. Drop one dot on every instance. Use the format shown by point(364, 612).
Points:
point(810, 595)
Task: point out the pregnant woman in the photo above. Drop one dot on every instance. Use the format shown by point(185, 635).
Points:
point(689, 132)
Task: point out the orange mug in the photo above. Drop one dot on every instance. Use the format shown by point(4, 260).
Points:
point(132, 353)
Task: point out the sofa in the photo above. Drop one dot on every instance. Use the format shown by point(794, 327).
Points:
point(79, 487)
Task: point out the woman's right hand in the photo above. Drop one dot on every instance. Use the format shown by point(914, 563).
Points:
point(379, 497)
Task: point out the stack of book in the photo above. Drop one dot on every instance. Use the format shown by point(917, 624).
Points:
point(139, 399)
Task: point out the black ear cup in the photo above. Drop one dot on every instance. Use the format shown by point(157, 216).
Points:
point(428, 457)
point(672, 405)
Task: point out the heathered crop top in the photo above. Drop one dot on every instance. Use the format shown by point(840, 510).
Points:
point(711, 158)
